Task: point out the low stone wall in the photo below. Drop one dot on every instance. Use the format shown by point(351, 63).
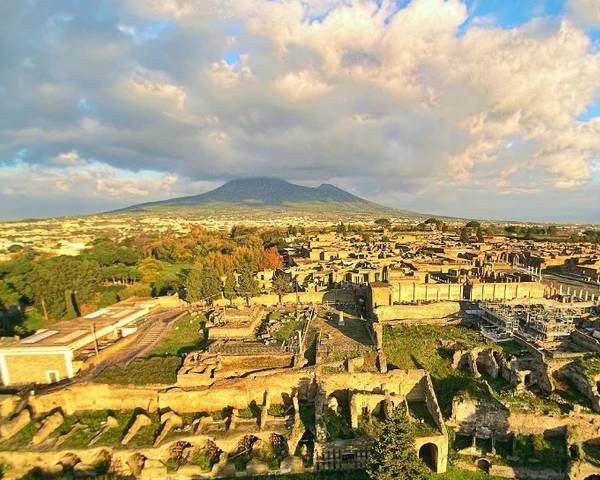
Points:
point(92, 396)
point(414, 312)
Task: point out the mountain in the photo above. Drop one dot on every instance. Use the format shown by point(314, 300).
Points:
point(271, 193)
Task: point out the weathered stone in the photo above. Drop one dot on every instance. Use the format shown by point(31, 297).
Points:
point(15, 425)
point(49, 424)
point(84, 470)
point(65, 436)
point(169, 421)
point(141, 420)
point(111, 422)
point(153, 469)
point(332, 403)
point(256, 467)
point(190, 471)
point(292, 464)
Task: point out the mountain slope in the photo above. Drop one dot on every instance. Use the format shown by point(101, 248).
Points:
point(269, 193)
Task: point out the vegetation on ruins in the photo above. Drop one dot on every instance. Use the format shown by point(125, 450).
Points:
point(185, 335)
point(336, 425)
point(392, 455)
point(590, 363)
point(142, 371)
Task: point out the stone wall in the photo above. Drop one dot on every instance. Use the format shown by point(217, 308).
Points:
point(505, 291)
point(404, 292)
point(91, 396)
point(414, 312)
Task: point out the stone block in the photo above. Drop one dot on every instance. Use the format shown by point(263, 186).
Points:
point(292, 464)
point(141, 420)
point(15, 425)
point(256, 467)
point(49, 424)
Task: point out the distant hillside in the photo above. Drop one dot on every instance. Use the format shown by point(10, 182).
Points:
point(272, 193)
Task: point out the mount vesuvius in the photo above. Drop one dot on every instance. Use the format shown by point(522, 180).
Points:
point(271, 193)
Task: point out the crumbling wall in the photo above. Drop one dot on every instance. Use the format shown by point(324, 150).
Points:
point(92, 396)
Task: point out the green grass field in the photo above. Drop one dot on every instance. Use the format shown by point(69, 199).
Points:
point(186, 335)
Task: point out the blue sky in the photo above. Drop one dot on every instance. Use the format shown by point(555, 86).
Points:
point(481, 108)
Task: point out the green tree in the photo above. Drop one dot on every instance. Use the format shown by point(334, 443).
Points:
point(384, 222)
point(247, 285)
point(479, 235)
point(393, 455)
point(229, 288)
point(464, 235)
point(50, 281)
point(341, 228)
point(202, 284)
point(281, 286)
point(70, 305)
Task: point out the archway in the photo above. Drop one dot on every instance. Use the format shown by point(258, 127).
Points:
point(593, 477)
point(428, 454)
point(484, 464)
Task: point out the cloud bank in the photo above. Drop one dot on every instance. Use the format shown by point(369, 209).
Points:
point(414, 104)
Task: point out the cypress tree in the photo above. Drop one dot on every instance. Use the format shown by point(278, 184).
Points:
point(392, 455)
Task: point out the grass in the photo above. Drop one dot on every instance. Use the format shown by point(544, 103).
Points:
point(430, 347)
point(452, 474)
point(424, 424)
point(287, 329)
point(591, 364)
point(142, 371)
point(92, 421)
point(276, 410)
point(186, 335)
point(539, 452)
point(456, 474)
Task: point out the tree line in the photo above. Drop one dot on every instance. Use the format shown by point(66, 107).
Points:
point(107, 271)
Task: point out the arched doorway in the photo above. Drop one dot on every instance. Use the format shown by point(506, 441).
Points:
point(428, 454)
point(484, 464)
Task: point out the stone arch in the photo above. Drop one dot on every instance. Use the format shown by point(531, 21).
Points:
point(594, 476)
point(428, 453)
point(483, 464)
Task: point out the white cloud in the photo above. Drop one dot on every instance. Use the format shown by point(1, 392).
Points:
point(301, 85)
point(585, 12)
point(310, 90)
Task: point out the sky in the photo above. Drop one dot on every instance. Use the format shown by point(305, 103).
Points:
point(474, 108)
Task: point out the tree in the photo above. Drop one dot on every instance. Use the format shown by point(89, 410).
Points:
point(229, 288)
point(50, 281)
point(479, 235)
point(281, 286)
point(473, 224)
point(464, 235)
point(341, 228)
point(247, 285)
point(202, 284)
point(393, 455)
point(384, 222)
